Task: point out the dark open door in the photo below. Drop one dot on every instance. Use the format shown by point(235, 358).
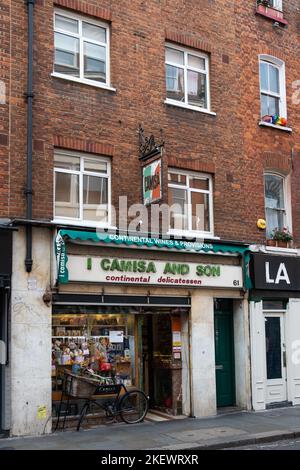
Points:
point(224, 353)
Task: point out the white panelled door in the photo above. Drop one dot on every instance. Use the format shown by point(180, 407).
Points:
point(275, 357)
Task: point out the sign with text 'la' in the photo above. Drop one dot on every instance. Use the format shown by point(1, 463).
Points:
point(274, 272)
point(152, 182)
point(152, 272)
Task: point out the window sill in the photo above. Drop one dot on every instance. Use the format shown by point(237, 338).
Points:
point(271, 14)
point(78, 223)
point(83, 81)
point(281, 249)
point(280, 128)
point(188, 106)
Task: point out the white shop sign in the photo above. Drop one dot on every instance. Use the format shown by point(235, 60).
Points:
point(152, 272)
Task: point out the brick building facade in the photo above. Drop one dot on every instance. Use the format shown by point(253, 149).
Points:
point(226, 139)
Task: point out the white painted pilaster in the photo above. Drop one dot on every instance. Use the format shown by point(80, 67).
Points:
point(203, 381)
point(30, 337)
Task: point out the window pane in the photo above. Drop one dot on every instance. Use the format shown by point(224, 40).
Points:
point(274, 79)
point(264, 76)
point(66, 54)
point(274, 304)
point(200, 212)
point(269, 105)
point(96, 166)
point(197, 89)
point(175, 83)
point(198, 183)
point(68, 162)
point(275, 219)
point(274, 193)
point(273, 347)
point(177, 199)
point(95, 198)
point(172, 55)
point(264, 105)
point(177, 178)
point(91, 31)
point(274, 202)
point(94, 62)
point(66, 195)
point(65, 23)
point(273, 105)
point(197, 62)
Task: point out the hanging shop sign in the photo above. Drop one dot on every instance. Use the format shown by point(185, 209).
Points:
point(152, 182)
point(151, 272)
point(275, 272)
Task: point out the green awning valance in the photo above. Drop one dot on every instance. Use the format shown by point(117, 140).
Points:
point(152, 242)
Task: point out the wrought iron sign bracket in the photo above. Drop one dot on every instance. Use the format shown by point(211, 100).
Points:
point(148, 147)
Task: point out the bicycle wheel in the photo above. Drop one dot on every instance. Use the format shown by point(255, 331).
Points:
point(90, 414)
point(133, 407)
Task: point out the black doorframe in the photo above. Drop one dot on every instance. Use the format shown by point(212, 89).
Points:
point(5, 289)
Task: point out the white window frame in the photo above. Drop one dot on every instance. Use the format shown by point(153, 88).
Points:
point(86, 19)
point(81, 221)
point(186, 67)
point(277, 4)
point(193, 174)
point(287, 211)
point(280, 65)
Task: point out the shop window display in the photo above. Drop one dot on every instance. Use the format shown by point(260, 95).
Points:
point(103, 342)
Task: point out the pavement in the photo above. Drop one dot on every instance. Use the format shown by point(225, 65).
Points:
point(229, 430)
point(287, 444)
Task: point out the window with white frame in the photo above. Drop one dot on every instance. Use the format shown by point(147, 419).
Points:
point(187, 77)
point(190, 202)
point(81, 48)
point(277, 4)
point(81, 187)
point(276, 202)
point(272, 86)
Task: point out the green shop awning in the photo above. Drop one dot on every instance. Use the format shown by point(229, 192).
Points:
point(139, 241)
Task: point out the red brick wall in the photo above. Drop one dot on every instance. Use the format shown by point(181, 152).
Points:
point(231, 145)
point(4, 108)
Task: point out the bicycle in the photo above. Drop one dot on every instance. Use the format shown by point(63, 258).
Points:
point(131, 405)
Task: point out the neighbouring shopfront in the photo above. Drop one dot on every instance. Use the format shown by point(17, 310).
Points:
point(275, 330)
point(166, 316)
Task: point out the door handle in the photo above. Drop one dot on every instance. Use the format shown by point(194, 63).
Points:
point(284, 358)
point(219, 367)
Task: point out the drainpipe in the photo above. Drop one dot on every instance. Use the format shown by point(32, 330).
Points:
point(29, 97)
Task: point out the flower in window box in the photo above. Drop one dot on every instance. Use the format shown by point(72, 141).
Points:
point(282, 236)
point(265, 3)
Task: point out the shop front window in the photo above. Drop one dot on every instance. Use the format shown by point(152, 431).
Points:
point(103, 342)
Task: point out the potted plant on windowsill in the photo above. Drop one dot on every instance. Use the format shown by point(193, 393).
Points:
point(269, 10)
point(282, 237)
point(265, 3)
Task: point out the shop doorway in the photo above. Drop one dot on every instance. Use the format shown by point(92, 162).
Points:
point(161, 369)
point(276, 390)
point(224, 353)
